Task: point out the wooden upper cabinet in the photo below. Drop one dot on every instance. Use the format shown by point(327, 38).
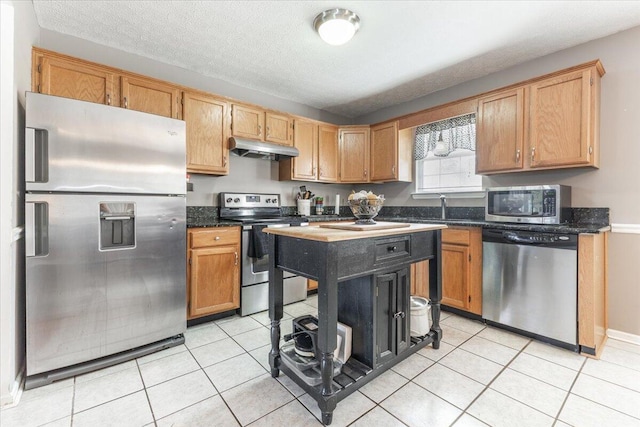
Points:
point(500, 132)
point(206, 119)
point(386, 153)
point(256, 123)
point(563, 120)
point(317, 144)
point(150, 96)
point(549, 123)
point(328, 155)
point(354, 154)
point(279, 128)
point(305, 139)
point(247, 122)
point(73, 79)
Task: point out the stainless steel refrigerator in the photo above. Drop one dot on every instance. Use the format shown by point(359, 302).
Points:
point(105, 229)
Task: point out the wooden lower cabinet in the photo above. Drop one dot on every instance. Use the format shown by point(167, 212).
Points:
point(461, 270)
point(213, 270)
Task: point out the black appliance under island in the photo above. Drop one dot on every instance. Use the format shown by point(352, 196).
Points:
point(363, 281)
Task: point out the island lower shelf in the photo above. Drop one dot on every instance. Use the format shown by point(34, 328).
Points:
point(355, 374)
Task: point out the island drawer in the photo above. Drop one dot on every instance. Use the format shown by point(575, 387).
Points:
point(392, 249)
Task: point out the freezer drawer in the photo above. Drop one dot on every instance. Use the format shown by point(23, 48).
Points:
point(104, 274)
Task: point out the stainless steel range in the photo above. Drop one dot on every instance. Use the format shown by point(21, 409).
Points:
point(256, 211)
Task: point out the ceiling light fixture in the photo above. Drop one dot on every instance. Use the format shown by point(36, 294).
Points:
point(336, 26)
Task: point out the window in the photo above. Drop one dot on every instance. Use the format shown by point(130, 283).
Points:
point(445, 155)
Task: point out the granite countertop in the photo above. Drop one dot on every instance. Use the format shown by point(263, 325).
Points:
point(585, 220)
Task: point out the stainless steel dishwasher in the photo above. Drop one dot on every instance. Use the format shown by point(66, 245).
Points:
point(530, 283)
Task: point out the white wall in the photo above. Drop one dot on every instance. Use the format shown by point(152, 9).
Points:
point(19, 32)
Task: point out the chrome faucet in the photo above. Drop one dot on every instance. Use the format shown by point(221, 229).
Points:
point(443, 206)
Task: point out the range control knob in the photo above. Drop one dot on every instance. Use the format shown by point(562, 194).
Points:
point(268, 200)
point(229, 199)
point(237, 200)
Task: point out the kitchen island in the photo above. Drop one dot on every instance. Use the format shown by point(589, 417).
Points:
point(363, 277)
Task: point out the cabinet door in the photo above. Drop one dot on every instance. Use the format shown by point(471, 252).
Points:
point(278, 129)
point(385, 309)
point(71, 79)
point(392, 315)
point(403, 311)
point(354, 155)
point(384, 152)
point(305, 139)
point(455, 276)
point(247, 122)
point(327, 153)
point(559, 121)
point(500, 132)
point(215, 280)
point(207, 141)
point(150, 96)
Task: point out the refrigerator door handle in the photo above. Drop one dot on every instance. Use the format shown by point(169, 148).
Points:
point(117, 218)
point(29, 155)
point(35, 155)
point(29, 228)
point(36, 223)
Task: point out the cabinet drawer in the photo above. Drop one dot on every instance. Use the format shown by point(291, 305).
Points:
point(456, 236)
point(392, 249)
point(214, 237)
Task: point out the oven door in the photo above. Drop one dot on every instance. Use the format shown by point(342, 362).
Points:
point(255, 279)
point(256, 270)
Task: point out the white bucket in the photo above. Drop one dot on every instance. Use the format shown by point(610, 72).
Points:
point(304, 207)
point(420, 316)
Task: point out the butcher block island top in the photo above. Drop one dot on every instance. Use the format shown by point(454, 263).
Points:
point(364, 282)
point(326, 233)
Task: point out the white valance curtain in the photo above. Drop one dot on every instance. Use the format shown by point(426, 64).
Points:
point(446, 136)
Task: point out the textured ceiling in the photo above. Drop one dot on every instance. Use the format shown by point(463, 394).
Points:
point(403, 50)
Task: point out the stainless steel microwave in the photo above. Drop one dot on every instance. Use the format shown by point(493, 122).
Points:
point(536, 204)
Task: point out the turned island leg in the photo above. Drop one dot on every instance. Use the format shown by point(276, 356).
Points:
point(435, 287)
point(275, 307)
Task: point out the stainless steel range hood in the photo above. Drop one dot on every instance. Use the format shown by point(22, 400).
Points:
point(259, 149)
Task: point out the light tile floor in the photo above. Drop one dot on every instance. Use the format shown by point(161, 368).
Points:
point(480, 376)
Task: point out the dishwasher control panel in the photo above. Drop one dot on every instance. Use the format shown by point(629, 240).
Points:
point(538, 238)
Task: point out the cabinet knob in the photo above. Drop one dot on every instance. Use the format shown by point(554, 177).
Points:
point(392, 248)
point(108, 99)
point(216, 238)
point(533, 154)
point(236, 254)
point(259, 129)
point(400, 314)
point(126, 103)
point(517, 156)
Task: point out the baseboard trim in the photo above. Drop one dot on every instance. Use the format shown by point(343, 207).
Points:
point(13, 397)
point(623, 336)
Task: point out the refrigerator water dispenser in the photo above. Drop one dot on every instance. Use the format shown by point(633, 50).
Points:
point(117, 225)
